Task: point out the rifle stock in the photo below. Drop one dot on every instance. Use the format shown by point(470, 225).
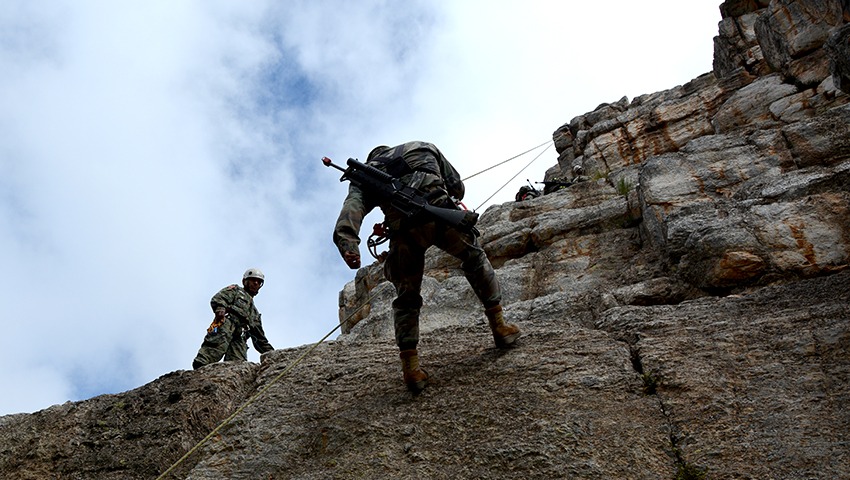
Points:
point(460, 219)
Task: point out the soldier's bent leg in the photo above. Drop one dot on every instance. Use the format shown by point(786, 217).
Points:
point(215, 345)
point(482, 278)
point(237, 351)
point(475, 264)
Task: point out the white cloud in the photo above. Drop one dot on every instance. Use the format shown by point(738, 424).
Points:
point(151, 151)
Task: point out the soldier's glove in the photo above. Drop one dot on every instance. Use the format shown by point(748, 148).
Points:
point(352, 259)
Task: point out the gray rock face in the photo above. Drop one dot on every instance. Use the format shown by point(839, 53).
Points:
point(791, 34)
point(686, 311)
point(736, 46)
point(744, 386)
point(838, 49)
point(753, 385)
point(136, 434)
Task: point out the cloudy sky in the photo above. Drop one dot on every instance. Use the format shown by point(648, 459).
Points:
point(151, 151)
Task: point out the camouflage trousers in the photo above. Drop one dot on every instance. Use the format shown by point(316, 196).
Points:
point(228, 342)
point(405, 265)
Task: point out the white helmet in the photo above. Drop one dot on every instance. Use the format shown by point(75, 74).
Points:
point(254, 273)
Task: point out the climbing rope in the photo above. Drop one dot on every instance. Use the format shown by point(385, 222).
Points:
point(517, 173)
point(506, 161)
point(263, 390)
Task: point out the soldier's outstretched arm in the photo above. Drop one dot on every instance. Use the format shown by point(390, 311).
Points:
point(258, 338)
point(347, 230)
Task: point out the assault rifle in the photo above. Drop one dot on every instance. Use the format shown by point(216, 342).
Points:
point(403, 198)
point(550, 186)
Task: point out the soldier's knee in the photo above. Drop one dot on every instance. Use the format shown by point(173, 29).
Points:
point(476, 260)
point(408, 301)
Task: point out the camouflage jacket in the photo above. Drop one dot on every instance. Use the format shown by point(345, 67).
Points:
point(239, 304)
point(418, 157)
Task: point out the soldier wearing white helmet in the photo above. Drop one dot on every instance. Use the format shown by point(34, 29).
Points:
point(578, 174)
point(236, 319)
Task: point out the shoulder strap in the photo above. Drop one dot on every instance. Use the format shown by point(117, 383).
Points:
point(392, 162)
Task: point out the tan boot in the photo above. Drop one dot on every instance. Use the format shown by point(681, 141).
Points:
point(505, 334)
point(415, 378)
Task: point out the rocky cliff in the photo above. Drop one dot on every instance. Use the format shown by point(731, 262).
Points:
point(686, 312)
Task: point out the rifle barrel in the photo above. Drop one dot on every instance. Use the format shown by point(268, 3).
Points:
point(386, 177)
point(329, 163)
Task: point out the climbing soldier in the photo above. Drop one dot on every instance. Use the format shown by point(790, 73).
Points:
point(236, 319)
point(423, 167)
point(578, 174)
point(526, 192)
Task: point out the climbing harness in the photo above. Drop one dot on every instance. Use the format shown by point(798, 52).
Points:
point(379, 236)
point(264, 389)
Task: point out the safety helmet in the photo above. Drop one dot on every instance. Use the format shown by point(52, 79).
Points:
point(376, 151)
point(254, 273)
point(577, 169)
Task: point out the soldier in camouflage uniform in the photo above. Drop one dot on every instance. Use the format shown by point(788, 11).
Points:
point(420, 165)
point(236, 319)
point(578, 174)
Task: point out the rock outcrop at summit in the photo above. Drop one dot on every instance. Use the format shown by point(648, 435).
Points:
point(686, 312)
point(735, 180)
